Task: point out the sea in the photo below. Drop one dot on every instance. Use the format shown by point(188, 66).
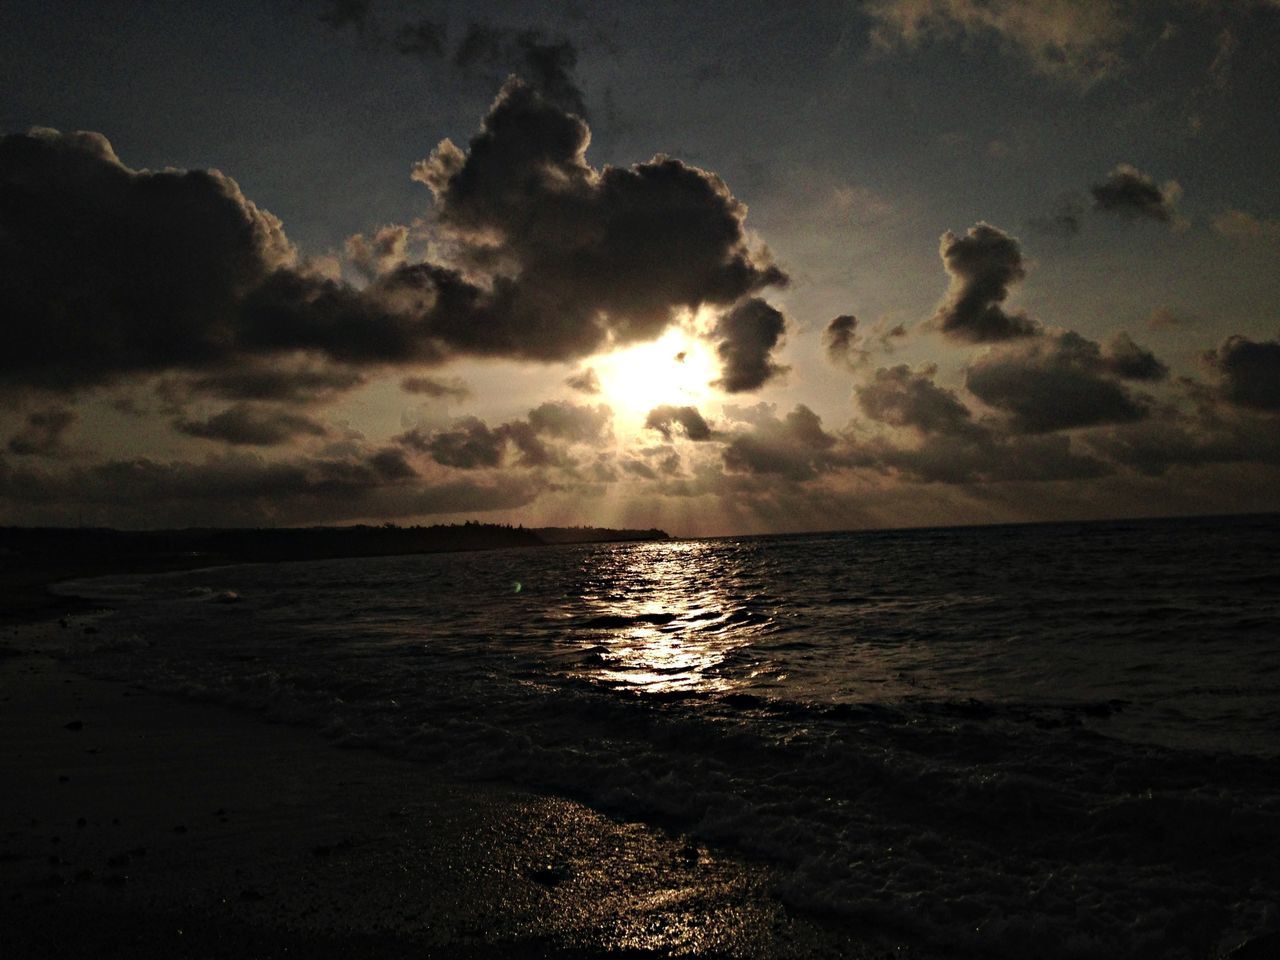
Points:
point(1051, 740)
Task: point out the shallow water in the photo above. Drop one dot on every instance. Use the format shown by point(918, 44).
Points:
point(1057, 740)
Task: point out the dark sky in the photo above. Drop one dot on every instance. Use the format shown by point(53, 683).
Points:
point(713, 267)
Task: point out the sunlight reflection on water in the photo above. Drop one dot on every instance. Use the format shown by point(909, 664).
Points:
point(666, 622)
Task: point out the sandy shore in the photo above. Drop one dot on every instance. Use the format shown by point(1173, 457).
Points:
point(134, 824)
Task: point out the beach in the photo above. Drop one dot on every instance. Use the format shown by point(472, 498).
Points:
point(136, 824)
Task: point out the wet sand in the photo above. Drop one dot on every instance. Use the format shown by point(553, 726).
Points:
point(136, 824)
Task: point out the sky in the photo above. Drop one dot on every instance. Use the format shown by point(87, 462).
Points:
point(717, 268)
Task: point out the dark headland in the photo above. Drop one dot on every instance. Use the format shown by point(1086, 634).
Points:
point(31, 558)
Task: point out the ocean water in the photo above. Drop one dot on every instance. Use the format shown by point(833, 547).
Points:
point(1051, 741)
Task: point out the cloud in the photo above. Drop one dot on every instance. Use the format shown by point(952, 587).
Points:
point(422, 38)
point(1063, 221)
point(110, 270)
point(1249, 372)
point(373, 257)
point(902, 397)
point(748, 334)
point(838, 339)
point(666, 417)
point(1072, 41)
point(42, 434)
point(436, 389)
point(1238, 225)
point(584, 381)
point(1124, 358)
point(571, 422)
point(1133, 194)
point(471, 444)
point(794, 447)
point(340, 14)
point(247, 425)
point(548, 64)
point(249, 490)
point(1061, 381)
point(305, 382)
point(580, 258)
point(982, 264)
point(468, 445)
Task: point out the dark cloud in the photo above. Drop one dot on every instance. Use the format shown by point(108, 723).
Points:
point(585, 381)
point(304, 382)
point(247, 490)
point(984, 457)
point(1063, 221)
point(376, 255)
point(748, 334)
point(581, 257)
point(983, 264)
point(1154, 446)
point(838, 339)
point(1129, 361)
point(422, 38)
point(468, 445)
point(638, 468)
point(471, 444)
point(546, 63)
point(1055, 382)
point(43, 432)
point(436, 389)
point(1131, 193)
point(571, 422)
point(666, 417)
point(902, 397)
point(794, 447)
point(340, 14)
point(1249, 371)
point(106, 270)
point(248, 425)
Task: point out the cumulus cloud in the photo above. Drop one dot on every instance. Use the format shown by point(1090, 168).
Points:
point(436, 389)
point(471, 444)
point(1124, 358)
point(572, 422)
point(249, 425)
point(43, 432)
point(1061, 381)
point(1073, 41)
point(376, 255)
point(794, 447)
point(108, 270)
point(748, 335)
point(902, 397)
point(1249, 372)
point(666, 418)
point(982, 264)
point(584, 381)
point(580, 258)
point(838, 339)
point(1133, 194)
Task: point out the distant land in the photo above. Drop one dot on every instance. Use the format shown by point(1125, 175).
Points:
point(31, 558)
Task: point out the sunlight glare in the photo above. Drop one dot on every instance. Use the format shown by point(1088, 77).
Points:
point(676, 369)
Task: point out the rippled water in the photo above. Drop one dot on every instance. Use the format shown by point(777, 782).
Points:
point(1053, 740)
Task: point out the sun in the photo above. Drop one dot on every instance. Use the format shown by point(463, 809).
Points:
point(675, 369)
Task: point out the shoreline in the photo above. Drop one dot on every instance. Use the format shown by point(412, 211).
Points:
point(139, 824)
